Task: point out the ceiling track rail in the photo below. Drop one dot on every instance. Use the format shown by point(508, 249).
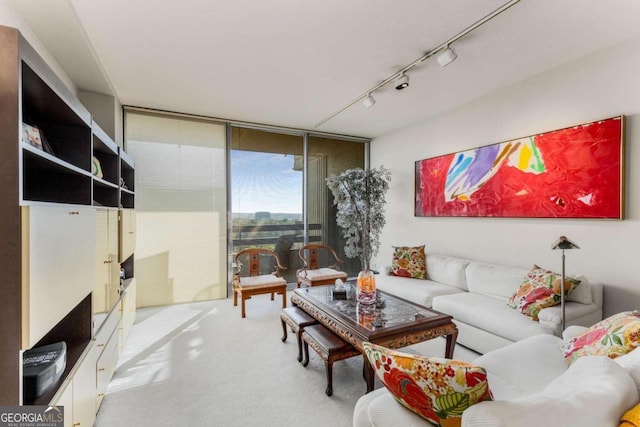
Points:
point(423, 58)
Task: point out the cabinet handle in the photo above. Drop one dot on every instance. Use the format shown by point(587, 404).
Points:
point(100, 369)
point(74, 213)
point(131, 232)
point(76, 424)
point(100, 345)
point(106, 262)
point(100, 394)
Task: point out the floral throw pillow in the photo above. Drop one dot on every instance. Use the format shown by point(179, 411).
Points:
point(409, 262)
point(540, 289)
point(438, 390)
point(612, 337)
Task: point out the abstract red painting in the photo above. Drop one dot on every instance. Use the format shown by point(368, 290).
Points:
point(576, 172)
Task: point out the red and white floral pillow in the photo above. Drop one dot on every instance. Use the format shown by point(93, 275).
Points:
point(540, 289)
point(437, 389)
point(409, 261)
point(612, 337)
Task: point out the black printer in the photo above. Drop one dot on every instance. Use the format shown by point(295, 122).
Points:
point(42, 367)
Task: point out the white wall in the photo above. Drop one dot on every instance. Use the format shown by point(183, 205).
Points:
point(599, 86)
point(10, 18)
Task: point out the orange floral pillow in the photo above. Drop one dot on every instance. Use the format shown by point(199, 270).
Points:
point(409, 262)
point(540, 289)
point(438, 390)
point(611, 337)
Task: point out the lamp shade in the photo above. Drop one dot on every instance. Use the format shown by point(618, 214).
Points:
point(564, 243)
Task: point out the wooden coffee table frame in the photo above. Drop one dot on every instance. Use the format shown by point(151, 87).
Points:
point(396, 336)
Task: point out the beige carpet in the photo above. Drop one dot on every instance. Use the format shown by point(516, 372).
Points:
point(200, 364)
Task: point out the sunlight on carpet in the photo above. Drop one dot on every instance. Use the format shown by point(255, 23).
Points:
point(201, 364)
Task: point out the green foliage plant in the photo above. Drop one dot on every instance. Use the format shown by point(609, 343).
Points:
point(360, 198)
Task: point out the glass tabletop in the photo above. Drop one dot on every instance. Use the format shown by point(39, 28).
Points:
point(389, 311)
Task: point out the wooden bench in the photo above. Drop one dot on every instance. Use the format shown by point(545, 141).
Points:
point(297, 321)
point(329, 347)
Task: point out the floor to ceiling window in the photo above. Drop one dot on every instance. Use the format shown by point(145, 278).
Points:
point(266, 193)
point(193, 215)
point(327, 157)
point(181, 207)
point(268, 196)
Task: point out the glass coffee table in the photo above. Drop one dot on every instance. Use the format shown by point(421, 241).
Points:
point(393, 322)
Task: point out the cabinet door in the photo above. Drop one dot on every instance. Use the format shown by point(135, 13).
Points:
point(106, 365)
point(127, 233)
point(100, 297)
point(58, 268)
point(112, 258)
point(106, 291)
point(64, 399)
point(84, 390)
point(128, 312)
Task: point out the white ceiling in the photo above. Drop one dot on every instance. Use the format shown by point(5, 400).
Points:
point(292, 63)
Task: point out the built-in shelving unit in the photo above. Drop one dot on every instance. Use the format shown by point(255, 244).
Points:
point(61, 205)
point(106, 171)
point(127, 181)
point(63, 173)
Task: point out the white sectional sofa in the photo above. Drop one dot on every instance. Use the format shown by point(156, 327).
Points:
point(476, 295)
point(532, 385)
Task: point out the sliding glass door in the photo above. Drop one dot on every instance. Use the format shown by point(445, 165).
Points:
point(271, 206)
point(327, 157)
point(266, 193)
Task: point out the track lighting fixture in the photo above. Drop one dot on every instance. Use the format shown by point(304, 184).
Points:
point(369, 101)
point(402, 82)
point(447, 56)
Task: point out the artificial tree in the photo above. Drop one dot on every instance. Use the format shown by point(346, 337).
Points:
point(359, 196)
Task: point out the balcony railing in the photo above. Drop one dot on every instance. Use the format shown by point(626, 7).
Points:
point(265, 235)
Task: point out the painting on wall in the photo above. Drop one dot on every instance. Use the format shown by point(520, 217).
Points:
point(575, 172)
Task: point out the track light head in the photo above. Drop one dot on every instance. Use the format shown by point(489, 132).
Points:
point(402, 82)
point(369, 101)
point(447, 57)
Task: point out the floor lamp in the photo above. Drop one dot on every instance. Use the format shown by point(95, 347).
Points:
point(563, 244)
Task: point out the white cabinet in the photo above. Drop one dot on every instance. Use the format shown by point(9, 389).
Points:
point(107, 341)
point(84, 386)
point(128, 304)
point(76, 394)
point(107, 285)
point(127, 233)
point(64, 400)
point(58, 268)
point(106, 365)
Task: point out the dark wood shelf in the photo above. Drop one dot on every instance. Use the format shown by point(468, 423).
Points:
point(48, 179)
point(67, 130)
point(75, 330)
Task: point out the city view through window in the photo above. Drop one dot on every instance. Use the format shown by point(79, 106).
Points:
point(266, 177)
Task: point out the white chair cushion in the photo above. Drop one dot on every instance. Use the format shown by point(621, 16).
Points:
point(631, 362)
point(380, 409)
point(263, 280)
point(524, 367)
point(594, 392)
point(322, 274)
